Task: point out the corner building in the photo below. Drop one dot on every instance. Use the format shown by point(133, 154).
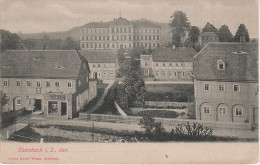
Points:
point(55, 82)
point(226, 83)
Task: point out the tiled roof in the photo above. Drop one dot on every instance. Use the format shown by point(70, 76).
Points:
point(145, 24)
point(208, 34)
point(40, 63)
point(240, 62)
point(99, 56)
point(96, 25)
point(179, 54)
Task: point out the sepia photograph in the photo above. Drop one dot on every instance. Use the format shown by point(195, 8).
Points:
point(129, 81)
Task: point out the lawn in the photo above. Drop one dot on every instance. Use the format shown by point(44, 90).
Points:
point(170, 92)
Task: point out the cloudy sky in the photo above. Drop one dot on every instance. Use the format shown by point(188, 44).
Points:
point(32, 16)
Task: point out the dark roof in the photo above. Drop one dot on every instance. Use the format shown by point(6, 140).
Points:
point(208, 34)
point(120, 21)
point(240, 62)
point(179, 54)
point(99, 56)
point(145, 24)
point(96, 25)
point(40, 63)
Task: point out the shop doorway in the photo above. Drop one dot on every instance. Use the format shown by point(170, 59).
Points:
point(63, 108)
point(38, 105)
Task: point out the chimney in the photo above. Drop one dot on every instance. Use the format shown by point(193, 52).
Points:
point(173, 47)
point(242, 39)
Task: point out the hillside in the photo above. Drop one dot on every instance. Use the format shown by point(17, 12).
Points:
point(74, 33)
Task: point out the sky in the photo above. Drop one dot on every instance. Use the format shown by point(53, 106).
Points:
point(34, 16)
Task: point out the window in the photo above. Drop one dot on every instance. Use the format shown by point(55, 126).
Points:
point(157, 64)
point(29, 102)
point(98, 65)
point(146, 63)
point(222, 110)
point(18, 83)
point(239, 111)
point(57, 84)
point(69, 84)
point(48, 83)
point(236, 88)
point(5, 83)
point(18, 101)
point(221, 65)
point(170, 64)
point(206, 109)
point(94, 65)
point(156, 74)
point(206, 87)
point(38, 84)
point(163, 64)
point(29, 83)
point(221, 87)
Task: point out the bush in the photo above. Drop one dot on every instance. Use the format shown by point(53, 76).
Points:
point(159, 113)
point(193, 132)
point(154, 131)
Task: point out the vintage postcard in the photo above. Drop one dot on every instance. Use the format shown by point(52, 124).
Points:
point(129, 82)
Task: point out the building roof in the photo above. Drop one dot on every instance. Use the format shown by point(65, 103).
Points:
point(208, 34)
point(120, 21)
point(179, 54)
point(40, 63)
point(145, 24)
point(96, 25)
point(99, 56)
point(240, 62)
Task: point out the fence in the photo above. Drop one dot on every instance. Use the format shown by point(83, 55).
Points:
point(167, 104)
point(167, 121)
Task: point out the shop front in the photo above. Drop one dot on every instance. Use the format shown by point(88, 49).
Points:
point(58, 104)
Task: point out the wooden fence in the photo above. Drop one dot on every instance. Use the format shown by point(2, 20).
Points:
point(167, 121)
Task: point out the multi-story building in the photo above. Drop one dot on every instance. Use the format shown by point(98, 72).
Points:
point(226, 82)
point(49, 81)
point(166, 64)
point(102, 63)
point(207, 37)
point(119, 34)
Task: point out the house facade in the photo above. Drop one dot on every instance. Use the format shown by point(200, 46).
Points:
point(119, 34)
point(226, 83)
point(55, 82)
point(207, 37)
point(102, 63)
point(169, 64)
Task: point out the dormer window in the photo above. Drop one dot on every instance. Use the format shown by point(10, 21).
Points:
point(221, 65)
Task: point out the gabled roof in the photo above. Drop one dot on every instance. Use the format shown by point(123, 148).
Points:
point(99, 56)
point(240, 62)
point(208, 34)
point(40, 63)
point(96, 25)
point(179, 54)
point(145, 24)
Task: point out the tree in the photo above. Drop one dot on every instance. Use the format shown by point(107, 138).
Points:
point(153, 130)
point(241, 32)
point(9, 40)
point(4, 100)
point(194, 34)
point(209, 28)
point(179, 25)
point(224, 34)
